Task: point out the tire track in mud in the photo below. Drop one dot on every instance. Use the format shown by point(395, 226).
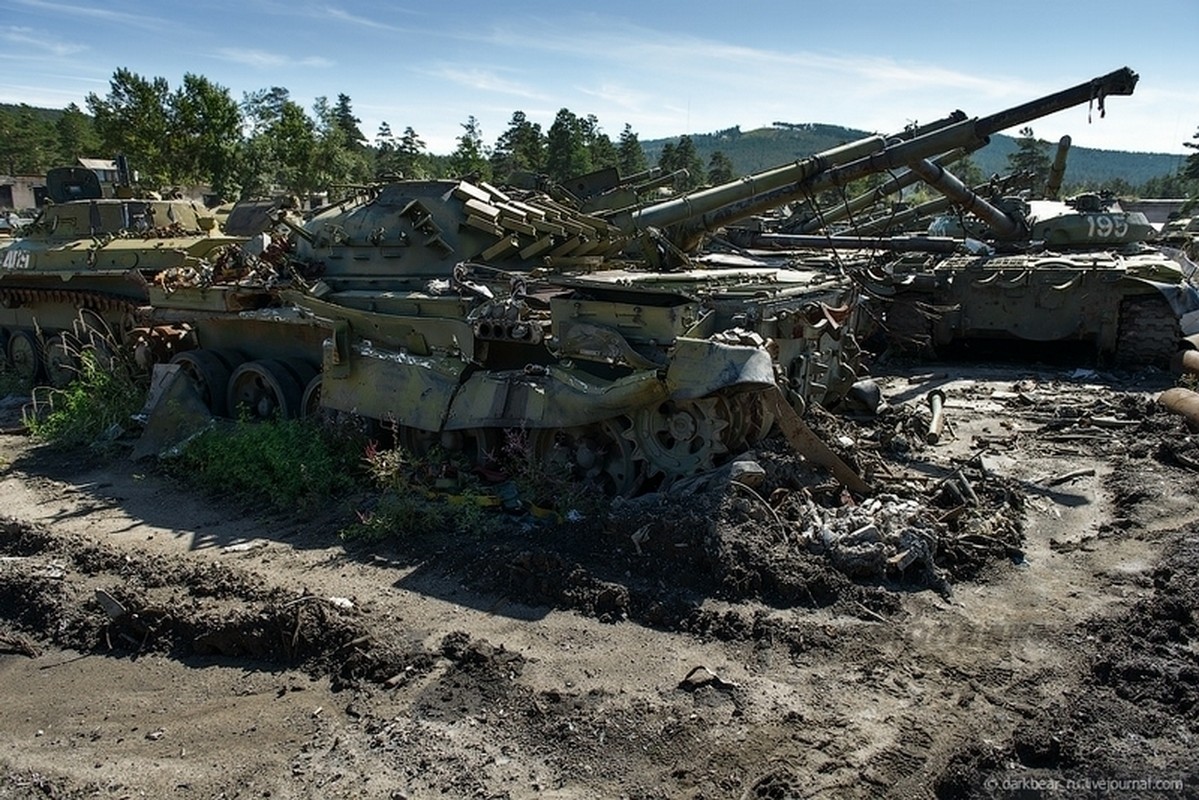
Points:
point(826, 697)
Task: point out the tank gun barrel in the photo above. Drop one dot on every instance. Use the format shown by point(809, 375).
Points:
point(894, 244)
point(898, 221)
point(731, 198)
point(816, 221)
point(657, 180)
point(696, 204)
point(1003, 225)
point(709, 209)
point(1053, 186)
point(1121, 82)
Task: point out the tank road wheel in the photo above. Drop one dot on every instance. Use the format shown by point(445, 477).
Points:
point(209, 374)
point(61, 362)
point(25, 356)
point(300, 369)
point(265, 389)
point(680, 437)
point(416, 442)
point(597, 453)
point(310, 403)
point(1149, 332)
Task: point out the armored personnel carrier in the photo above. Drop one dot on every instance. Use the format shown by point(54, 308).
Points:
point(87, 263)
point(152, 274)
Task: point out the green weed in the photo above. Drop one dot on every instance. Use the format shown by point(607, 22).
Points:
point(441, 492)
point(89, 410)
point(547, 486)
point(433, 493)
point(296, 464)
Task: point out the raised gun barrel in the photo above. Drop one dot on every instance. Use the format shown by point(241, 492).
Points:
point(1057, 171)
point(703, 211)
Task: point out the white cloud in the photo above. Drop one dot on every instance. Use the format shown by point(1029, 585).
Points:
point(263, 59)
point(94, 13)
point(342, 15)
point(42, 43)
point(486, 81)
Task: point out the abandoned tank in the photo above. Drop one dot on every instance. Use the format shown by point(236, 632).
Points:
point(1079, 270)
point(459, 310)
point(85, 272)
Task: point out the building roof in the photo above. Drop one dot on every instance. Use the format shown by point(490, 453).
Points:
point(98, 163)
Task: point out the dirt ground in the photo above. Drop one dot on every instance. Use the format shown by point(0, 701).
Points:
point(1012, 615)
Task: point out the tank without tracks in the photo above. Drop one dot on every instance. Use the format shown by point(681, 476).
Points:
point(461, 309)
point(1079, 270)
point(153, 274)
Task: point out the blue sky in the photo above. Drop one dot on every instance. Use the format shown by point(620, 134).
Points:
point(666, 68)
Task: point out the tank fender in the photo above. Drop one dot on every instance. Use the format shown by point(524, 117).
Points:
point(412, 390)
point(701, 366)
point(1184, 299)
point(550, 397)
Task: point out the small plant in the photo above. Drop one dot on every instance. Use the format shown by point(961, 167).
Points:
point(433, 493)
point(547, 485)
point(285, 462)
point(100, 400)
point(442, 492)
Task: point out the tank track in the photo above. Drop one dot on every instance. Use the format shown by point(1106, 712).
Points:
point(1148, 334)
point(79, 298)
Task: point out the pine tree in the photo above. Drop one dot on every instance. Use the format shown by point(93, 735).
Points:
point(668, 159)
point(600, 150)
point(26, 142)
point(410, 156)
point(521, 148)
point(470, 158)
point(76, 136)
point(630, 156)
point(720, 168)
point(566, 153)
point(1190, 168)
point(1031, 156)
point(347, 122)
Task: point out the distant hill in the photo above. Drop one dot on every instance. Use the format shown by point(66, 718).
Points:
point(48, 114)
point(752, 151)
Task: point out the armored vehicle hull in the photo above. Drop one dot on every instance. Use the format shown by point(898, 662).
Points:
point(1134, 309)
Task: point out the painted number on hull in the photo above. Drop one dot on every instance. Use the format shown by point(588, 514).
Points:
point(15, 259)
point(1105, 227)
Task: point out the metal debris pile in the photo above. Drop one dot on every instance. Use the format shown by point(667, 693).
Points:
point(253, 263)
point(883, 537)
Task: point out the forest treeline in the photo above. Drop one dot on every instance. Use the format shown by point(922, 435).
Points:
point(266, 143)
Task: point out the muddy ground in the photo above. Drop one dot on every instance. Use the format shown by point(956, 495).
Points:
point(1013, 616)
